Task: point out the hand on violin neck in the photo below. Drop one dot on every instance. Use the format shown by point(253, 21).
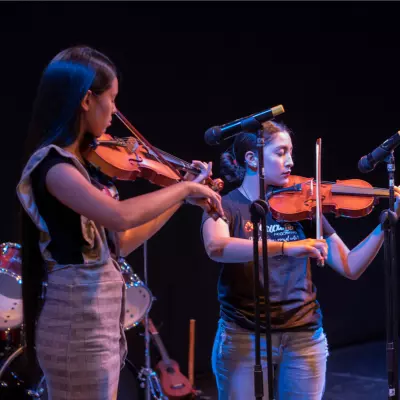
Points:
point(202, 203)
point(314, 248)
point(204, 197)
point(205, 172)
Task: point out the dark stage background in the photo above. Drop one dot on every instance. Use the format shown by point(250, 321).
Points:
point(187, 66)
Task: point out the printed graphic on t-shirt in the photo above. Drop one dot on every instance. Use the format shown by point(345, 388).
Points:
point(292, 293)
point(278, 232)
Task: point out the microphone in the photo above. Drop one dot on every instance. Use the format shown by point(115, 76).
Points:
point(371, 160)
point(214, 135)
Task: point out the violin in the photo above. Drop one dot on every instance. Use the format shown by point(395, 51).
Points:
point(134, 157)
point(307, 198)
point(351, 198)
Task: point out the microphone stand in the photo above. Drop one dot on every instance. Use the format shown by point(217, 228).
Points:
point(388, 221)
point(259, 210)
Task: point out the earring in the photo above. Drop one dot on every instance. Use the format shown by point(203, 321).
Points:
point(251, 164)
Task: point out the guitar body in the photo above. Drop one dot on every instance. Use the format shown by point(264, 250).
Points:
point(174, 384)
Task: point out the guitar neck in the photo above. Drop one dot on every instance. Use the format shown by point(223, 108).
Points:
point(161, 349)
point(159, 343)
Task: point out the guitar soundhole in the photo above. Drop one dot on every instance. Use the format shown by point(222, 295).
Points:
point(179, 386)
point(170, 370)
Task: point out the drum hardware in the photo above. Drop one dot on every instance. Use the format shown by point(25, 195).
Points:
point(148, 378)
point(10, 286)
point(149, 381)
point(16, 380)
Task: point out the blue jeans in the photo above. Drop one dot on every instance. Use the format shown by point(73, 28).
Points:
point(299, 360)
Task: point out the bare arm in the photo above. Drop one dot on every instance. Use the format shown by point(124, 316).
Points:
point(221, 247)
point(352, 264)
point(70, 187)
point(131, 239)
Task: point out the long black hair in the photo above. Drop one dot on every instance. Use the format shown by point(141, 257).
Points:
point(55, 120)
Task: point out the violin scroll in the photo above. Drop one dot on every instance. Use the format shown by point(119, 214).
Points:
point(216, 184)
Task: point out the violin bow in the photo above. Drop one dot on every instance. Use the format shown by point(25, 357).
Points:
point(156, 152)
point(318, 209)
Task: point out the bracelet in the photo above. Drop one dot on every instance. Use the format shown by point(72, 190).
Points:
point(283, 250)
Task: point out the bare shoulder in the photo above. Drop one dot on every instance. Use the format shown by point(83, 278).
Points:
point(64, 177)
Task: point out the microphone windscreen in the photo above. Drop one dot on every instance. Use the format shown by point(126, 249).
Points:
point(212, 136)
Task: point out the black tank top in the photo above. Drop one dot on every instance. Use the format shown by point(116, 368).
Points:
point(63, 223)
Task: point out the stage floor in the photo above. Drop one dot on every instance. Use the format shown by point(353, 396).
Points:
point(354, 373)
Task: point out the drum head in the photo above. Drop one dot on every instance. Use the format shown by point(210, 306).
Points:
point(11, 314)
point(138, 300)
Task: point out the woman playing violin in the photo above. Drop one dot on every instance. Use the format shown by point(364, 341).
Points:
point(299, 344)
point(74, 228)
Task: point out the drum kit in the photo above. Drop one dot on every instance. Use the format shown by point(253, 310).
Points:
point(16, 382)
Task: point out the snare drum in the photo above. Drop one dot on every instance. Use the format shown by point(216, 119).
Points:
point(10, 286)
point(138, 298)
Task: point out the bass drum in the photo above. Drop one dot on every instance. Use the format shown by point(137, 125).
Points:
point(17, 383)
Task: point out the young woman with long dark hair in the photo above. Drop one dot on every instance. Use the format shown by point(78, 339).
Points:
point(73, 230)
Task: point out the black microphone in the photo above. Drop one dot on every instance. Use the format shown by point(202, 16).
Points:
point(371, 160)
point(251, 123)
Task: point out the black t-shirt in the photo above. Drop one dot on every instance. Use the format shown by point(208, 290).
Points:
point(292, 293)
point(63, 223)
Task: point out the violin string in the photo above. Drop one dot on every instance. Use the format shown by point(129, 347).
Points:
point(126, 139)
point(337, 184)
point(176, 159)
point(183, 162)
point(142, 140)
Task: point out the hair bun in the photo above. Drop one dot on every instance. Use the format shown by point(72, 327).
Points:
point(230, 168)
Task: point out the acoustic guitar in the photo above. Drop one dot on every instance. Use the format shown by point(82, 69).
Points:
point(174, 384)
